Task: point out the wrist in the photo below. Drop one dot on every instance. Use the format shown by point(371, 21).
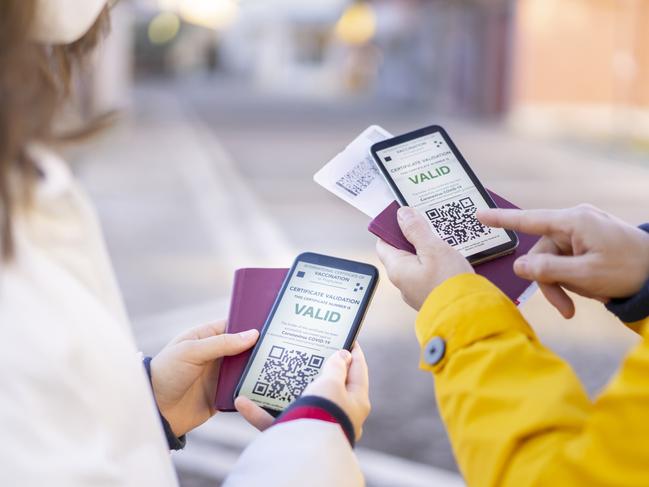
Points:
point(464, 310)
point(645, 251)
point(441, 281)
point(169, 417)
point(322, 409)
point(175, 440)
point(635, 308)
point(164, 411)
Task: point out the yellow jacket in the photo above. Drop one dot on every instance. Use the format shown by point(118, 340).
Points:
point(517, 415)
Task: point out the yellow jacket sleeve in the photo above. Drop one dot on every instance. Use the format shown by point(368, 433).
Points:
point(516, 413)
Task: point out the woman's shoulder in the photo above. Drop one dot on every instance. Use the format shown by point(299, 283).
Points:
point(54, 175)
point(60, 227)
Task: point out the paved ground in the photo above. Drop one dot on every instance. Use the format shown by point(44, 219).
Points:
point(204, 177)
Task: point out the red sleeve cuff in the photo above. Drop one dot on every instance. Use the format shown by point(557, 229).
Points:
point(319, 408)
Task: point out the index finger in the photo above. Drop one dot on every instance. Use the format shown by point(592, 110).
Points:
point(536, 222)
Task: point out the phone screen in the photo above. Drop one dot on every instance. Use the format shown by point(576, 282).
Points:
point(430, 178)
point(318, 314)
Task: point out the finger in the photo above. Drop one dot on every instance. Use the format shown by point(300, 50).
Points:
point(417, 231)
point(358, 376)
point(558, 298)
point(545, 245)
point(252, 413)
point(203, 331)
point(337, 366)
point(552, 269)
point(536, 222)
point(557, 243)
point(391, 257)
point(554, 293)
point(214, 347)
point(387, 251)
point(578, 289)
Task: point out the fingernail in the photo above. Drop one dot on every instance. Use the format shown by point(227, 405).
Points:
point(405, 213)
point(345, 355)
point(521, 265)
point(248, 334)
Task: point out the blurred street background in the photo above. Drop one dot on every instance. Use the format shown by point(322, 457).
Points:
point(227, 108)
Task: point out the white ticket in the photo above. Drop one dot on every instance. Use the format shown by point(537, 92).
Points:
point(353, 176)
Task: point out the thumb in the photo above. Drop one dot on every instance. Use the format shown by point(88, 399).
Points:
point(337, 366)
point(358, 376)
point(416, 229)
point(214, 347)
point(550, 268)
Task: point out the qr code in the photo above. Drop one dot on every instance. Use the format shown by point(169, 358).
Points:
point(455, 222)
point(357, 179)
point(286, 373)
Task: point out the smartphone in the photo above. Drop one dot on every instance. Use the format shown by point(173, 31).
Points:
point(318, 311)
point(426, 171)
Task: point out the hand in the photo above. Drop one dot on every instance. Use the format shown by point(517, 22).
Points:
point(185, 372)
point(343, 380)
point(582, 249)
point(417, 275)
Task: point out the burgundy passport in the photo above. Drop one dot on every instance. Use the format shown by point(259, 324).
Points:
point(499, 271)
point(253, 294)
point(254, 291)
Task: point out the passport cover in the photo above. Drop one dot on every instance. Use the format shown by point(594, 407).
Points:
point(253, 294)
point(499, 271)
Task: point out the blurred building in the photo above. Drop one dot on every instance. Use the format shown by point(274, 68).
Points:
point(551, 67)
point(450, 55)
point(582, 67)
point(454, 54)
point(557, 67)
point(286, 46)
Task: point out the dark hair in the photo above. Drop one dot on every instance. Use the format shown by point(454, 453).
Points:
point(35, 80)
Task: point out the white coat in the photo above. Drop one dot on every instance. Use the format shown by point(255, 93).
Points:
point(75, 407)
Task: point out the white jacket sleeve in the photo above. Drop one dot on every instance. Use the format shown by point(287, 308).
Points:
point(298, 453)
